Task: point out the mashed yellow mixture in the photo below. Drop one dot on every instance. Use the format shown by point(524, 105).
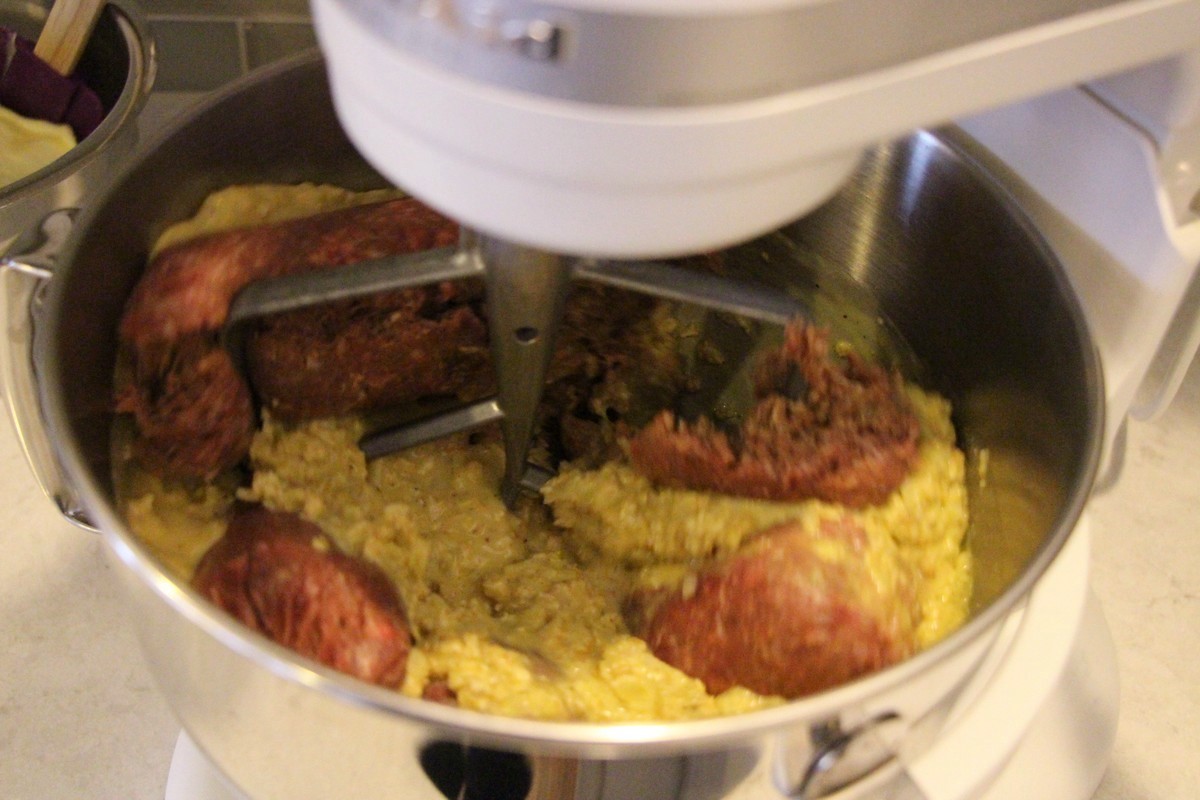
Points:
point(519, 612)
point(27, 145)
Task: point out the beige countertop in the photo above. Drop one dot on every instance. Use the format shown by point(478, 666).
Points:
point(1146, 571)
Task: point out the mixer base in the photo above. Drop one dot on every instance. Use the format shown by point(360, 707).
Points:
point(1064, 729)
point(1065, 753)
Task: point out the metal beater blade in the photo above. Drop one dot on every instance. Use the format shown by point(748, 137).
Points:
point(526, 292)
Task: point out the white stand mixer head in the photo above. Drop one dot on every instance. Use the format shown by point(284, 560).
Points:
point(651, 128)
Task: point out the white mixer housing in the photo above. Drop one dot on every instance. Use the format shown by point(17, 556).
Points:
point(649, 128)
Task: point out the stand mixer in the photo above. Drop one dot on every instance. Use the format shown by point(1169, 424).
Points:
point(636, 129)
point(569, 135)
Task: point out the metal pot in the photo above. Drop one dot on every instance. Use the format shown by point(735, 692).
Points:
point(920, 237)
point(118, 64)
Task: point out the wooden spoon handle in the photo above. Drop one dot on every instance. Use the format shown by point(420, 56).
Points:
point(66, 33)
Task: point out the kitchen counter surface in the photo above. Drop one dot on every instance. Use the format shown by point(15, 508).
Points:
point(1146, 571)
point(80, 718)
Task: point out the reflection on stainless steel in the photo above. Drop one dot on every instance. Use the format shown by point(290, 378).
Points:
point(934, 250)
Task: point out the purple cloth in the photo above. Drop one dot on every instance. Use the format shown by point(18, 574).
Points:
point(30, 87)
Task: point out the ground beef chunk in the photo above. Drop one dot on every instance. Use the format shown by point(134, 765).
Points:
point(371, 353)
point(604, 360)
point(780, 617)
point(191, 405)
point(281, 576)
point(839, 432)
point(189, 286)
point(439, 691)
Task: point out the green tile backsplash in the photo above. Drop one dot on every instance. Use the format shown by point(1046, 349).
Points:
point(271, 41)
point(203, 44)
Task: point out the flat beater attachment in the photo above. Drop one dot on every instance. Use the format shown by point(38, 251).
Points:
point(526, 291)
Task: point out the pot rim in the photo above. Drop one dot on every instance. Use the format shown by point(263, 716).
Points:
point(139, 80)
point(722, 731)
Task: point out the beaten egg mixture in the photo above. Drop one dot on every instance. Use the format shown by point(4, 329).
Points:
point(519, 612)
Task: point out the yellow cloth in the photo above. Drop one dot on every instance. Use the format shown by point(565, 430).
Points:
point(27, 145)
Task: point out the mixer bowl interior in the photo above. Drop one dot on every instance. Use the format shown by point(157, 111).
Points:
point(939, 253)
point(923, 259)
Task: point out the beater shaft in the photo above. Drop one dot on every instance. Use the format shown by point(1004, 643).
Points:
point(526, 293)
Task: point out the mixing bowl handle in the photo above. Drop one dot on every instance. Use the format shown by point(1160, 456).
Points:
point(26, 277)
point(854, 761)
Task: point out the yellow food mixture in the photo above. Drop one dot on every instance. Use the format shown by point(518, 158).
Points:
point(519, 612)
point(27, 145)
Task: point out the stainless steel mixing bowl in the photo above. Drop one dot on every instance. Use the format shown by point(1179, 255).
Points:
point(118, 64)
point(920, 238)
